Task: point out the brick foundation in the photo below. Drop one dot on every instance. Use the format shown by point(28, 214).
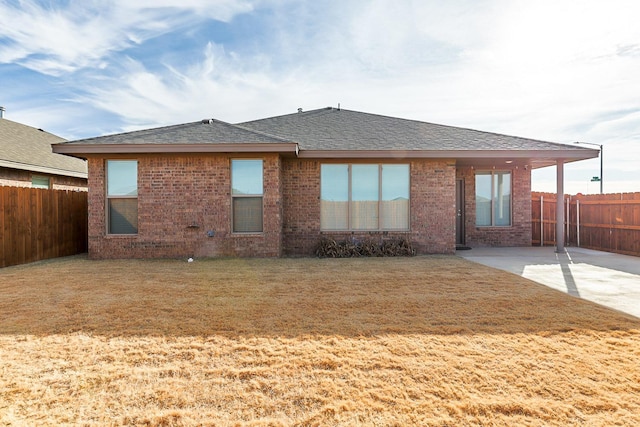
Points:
point(22, 178)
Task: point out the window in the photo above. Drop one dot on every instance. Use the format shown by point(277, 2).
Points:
point(364, 197)
point(122, 196)
point(39, 181)
point(246, 194)
point(493, 198)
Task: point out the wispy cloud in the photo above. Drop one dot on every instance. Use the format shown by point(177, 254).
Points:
point(57, 39)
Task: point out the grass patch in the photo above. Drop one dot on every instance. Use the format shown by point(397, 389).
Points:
point(369, 341)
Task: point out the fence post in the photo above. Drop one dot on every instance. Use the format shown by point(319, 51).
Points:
point(541, 220)
point(578, 222)
point(567, 226)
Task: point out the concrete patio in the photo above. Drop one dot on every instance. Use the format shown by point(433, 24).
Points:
point(605, 278)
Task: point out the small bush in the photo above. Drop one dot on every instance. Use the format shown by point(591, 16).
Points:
point(329, 248)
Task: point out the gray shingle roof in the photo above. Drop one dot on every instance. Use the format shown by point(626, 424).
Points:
point(339, 129)
point(27, 148)
point(202, 132)
point(339, 133)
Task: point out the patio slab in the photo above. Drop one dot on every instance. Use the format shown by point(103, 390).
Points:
point(609, 279)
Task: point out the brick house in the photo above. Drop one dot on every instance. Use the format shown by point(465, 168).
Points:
point(26, 159)
point(276, 186)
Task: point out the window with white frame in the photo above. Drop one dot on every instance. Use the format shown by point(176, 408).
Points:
point(122, 197)
point(246, 194)
point(364, 197)
point(493, 199)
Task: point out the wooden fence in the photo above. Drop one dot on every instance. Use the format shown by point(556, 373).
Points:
point(606, 222)
point(38, 224)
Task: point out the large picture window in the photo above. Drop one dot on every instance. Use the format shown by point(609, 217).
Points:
point(493, 199)
point(122, 196)
point(364, 197)
point(246, 193)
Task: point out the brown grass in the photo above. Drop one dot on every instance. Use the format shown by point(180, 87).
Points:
point(404, 341)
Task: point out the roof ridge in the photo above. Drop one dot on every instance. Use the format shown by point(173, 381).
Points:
point(298, 113)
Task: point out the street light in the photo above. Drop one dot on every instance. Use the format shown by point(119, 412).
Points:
point(601, 155)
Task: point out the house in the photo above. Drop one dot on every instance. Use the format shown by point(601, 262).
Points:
point(26, 159)
point(276, 186)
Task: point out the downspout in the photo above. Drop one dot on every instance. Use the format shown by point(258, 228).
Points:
point(560, 206)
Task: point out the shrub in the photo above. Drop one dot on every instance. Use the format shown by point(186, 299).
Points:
point(329, 248)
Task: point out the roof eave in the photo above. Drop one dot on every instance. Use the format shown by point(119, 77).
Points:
point(567, 155)
point(42, 169)
point(88, 149)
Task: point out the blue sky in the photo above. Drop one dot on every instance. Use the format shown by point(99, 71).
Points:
point(561, 71)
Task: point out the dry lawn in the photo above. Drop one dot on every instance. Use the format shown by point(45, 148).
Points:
point(432, 341)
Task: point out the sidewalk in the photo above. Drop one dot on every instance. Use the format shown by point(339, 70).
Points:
point(605, 278)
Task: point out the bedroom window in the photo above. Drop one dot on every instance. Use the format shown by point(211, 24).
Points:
point(493, 199)
point(122, 197)
point(364, 197)
point(246, 194)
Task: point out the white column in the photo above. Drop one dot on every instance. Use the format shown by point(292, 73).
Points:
point(560, 205)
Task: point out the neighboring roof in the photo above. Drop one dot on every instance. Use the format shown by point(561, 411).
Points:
point(26, 148)
point(337, 133)
point(207, 135)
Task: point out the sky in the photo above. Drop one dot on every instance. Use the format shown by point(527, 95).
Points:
point(561, 71)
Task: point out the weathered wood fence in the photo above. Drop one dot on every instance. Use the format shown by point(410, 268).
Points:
point(606, 222)
point(38, 224)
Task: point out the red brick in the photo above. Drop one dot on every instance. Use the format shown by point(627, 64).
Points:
point(182, 197)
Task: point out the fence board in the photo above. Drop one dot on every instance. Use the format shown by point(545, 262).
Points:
point(38, 224)
point(607, 222)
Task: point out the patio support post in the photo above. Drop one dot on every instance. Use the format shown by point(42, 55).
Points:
point(560, 205)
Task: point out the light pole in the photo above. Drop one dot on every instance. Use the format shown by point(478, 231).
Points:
point(601, 156)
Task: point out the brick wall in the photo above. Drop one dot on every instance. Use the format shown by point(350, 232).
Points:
point(519, 233)
point(183, 197)
point(432, 208)
point(22, 178)
point(180, 200)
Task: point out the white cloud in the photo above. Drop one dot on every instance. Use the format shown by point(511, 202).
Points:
point(58, 40)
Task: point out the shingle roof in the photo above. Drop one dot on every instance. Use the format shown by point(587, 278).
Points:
point(27, 148)
point(206, 131)
point(339, 129)
point(334, 133)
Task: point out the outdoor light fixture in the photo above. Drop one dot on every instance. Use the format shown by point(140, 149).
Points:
point(595, 178)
